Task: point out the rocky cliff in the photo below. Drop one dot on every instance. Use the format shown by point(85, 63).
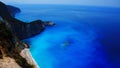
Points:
point(22, 29)
point(13, 52)
point(13, 10)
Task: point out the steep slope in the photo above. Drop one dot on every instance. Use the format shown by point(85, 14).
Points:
point(13, 51)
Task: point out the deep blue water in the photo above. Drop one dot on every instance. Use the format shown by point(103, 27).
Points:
point(84, 36)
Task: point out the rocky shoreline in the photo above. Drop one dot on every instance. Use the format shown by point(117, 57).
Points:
point(25, 53)
point(21, 29)
point(13, 52)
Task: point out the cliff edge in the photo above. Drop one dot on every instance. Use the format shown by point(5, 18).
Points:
point(13, 52)
point(21, 29)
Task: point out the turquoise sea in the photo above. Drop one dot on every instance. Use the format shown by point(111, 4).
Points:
point(84, 36)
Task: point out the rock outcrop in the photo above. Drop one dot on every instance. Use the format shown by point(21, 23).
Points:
point(13, 52)
point(13, 10)
point(8, 62)
point(26, 30)
point(22, 29)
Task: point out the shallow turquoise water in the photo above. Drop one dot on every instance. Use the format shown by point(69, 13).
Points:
point(80, 39)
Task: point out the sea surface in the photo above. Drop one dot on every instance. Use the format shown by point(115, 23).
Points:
point(83, 37)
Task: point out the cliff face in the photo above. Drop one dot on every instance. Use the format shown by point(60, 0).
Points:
point(13, 52)
point(22, 29)
point(13, 10)
point(8, 62)
point(26, 30)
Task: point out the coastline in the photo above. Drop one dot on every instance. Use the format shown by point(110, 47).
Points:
point(8, 62)
point(25, 53)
